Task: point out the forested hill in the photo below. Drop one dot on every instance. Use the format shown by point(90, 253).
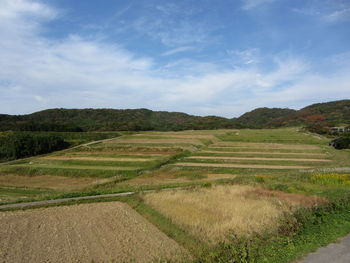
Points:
point(328, 114)
point(110, 119)
point(264, 117)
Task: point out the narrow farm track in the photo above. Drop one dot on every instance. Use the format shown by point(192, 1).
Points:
point(80, 198)
point(62, 200)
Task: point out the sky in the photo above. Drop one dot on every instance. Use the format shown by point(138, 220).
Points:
point(202, 57)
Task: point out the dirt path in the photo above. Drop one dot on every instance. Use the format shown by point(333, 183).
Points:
point(62, 200)
point(252, 166)
point(98, 232)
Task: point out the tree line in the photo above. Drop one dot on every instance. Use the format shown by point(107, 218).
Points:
point(25, 144)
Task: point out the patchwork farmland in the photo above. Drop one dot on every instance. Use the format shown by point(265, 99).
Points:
point(227, 186)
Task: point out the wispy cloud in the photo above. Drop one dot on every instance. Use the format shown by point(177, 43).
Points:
point(338, 15)
point(177, 50)
point(173, 25)
point(250, 4)
point(245, 56)
point(328, 11)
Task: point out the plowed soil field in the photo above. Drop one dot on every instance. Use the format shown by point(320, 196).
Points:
point(100, 232)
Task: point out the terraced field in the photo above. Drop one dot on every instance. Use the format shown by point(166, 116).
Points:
point(231, 184)
point(165, 158)
point(234, 150)
point(110, 161)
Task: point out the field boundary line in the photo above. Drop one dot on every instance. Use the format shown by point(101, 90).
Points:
point(62, 200)
point(79, 198)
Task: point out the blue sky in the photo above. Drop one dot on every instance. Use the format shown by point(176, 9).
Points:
point(203, 57)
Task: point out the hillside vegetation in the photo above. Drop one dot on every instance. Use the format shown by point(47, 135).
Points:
point(323, 114)
point(110, 120)
point(77, 120)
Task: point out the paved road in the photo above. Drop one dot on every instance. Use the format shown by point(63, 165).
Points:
point(333, 253)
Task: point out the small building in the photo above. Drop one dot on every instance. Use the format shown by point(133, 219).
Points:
point(341, 129)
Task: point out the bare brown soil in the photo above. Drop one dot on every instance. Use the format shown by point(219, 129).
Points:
point(266, 145)
point(121, 159)
point(266, 153)
point(50, 182)
point(253, 166)
point(99, 232)
point(257, 158)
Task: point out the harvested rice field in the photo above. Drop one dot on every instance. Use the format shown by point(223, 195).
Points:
point(100, 232)
point(168, 177)
point(194, 188)
point(235, 151)
point(251, 166)
point(170, 158)
point(61, 183)
point(213, 213)
point(257, 158)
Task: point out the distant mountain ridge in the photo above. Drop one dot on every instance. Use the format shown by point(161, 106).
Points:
point(110, 119)
point(332, 113)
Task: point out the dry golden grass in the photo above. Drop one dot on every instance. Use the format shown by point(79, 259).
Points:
point(190, 132)
point(169, 177)
point(50, 182)
point(252, 166)
point(124, 152)
point(268, 153)
point(120, 159)
point(211, 213)
point(257, 158)
point(165, 140)
point(265, 145)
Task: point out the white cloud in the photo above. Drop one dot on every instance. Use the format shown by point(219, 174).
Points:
point(38, 73)
point(173, 25)
point(15, 8)
point(338, 15)
point(329, 11)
